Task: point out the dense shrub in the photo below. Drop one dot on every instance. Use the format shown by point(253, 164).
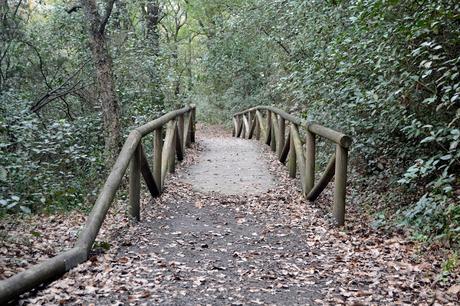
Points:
point(47, 164)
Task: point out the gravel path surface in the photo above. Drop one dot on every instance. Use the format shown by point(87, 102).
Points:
point(230, 166)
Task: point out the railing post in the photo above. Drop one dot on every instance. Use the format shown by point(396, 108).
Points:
point(310, 143)
point(249, 125)
point(244, 120)
point(180, 135)
point(269, 128)
point(282, 135)
point(292, 158)
point(135, 184)
point(172, 152)
point(193, 125)
point(341, 161)
point(257, 128)
point(235, 126)
point(187, 129)
point(157, 149)
point(273, 134)
point(179, 147)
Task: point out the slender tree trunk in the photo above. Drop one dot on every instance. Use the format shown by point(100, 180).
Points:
point(151, 11)
point(104, 75)
point(152, 16)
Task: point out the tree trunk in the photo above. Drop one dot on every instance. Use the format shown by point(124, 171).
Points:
point(151, 11)
point(104, 76)
point(152, 17)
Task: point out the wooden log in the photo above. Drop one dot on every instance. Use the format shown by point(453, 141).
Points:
point(310, 159)
point(157, 149)
point(154, 189)
point(327, 176)
point(275, 135)
point(300, 158)
point(340, 184)
point(286, 147)
point(43, 272)
point(245, 132)
point(253, 125)
point(193, 124)
point(172, 155)
point(268, 136)
point(240, 127)
point(235, 127)
point(135, 185)
point(295, 120)
point(292, 162)
point(179, 146)
point(187, 129)
point(249, 124)
point(281, 136)
point(262, 127)
point(180, 133)
point(167, 150)
point(107, 194)
point(337, 137)
point(257, 130)
point(157, 123)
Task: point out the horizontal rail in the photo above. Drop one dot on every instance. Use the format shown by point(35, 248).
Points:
point(131, 153)
point(273, 128)
point(334, 136)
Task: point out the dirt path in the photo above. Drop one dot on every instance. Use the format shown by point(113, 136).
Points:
point(269, 247)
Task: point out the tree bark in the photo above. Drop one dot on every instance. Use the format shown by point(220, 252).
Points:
point(104, 75)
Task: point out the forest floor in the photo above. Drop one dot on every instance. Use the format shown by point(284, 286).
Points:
point(245, 247)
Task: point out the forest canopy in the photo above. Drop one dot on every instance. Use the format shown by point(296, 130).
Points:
point(75, 76)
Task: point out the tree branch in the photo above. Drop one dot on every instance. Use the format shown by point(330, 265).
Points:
point(277, 41)
point(105, 18)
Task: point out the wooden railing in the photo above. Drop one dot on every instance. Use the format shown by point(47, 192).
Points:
point(180, 133)
point(271, 129)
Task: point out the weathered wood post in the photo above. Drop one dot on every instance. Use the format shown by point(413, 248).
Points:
point(235, 126)
point(187, 129)
point(300, 155)
point(172, 152)
point(269, 128)
point(180, 132)
point(239, 125)
point(193, 125)
point(275, 133)
point(179, 147)
point(135, 184)
point(282, 136)
point(245, 133)
point(249, 125)
point(292, 163)
point(341, 155)
point(157, 148)
point(310, 142)
point(257, 127)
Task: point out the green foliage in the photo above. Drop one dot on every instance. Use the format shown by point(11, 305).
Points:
point(47, 164)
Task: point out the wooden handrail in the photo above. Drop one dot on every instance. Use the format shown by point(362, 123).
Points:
point(180, 134)
point(337, 137)
point(272, 130)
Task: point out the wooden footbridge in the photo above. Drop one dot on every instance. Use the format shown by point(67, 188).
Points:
point(172, 134)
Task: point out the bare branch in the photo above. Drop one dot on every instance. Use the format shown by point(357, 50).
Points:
point(105, 18)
